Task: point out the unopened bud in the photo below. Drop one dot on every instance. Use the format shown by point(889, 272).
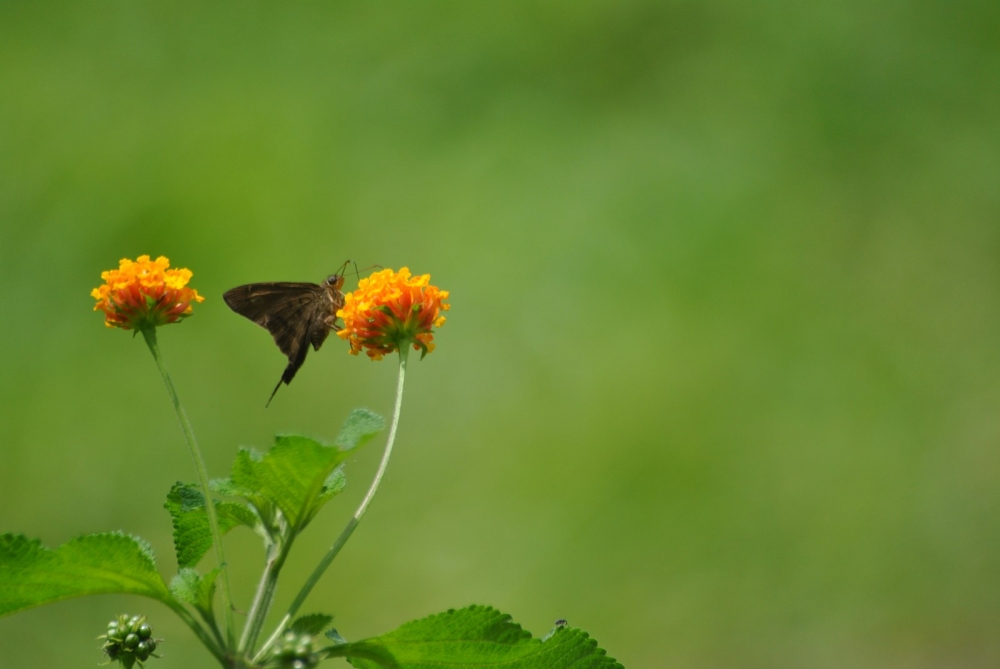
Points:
point(129, 641)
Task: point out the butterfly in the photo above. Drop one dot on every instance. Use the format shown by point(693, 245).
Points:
point(296, 314)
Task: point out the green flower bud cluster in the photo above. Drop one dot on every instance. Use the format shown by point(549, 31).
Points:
point(294, 651)
point(129, 640)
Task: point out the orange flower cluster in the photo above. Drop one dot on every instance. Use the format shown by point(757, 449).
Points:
point(389, 310)
point(144, 293)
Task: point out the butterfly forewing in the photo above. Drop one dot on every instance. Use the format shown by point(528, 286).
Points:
point(262, 302)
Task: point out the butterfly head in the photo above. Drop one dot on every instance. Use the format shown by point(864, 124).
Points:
point(336, 280)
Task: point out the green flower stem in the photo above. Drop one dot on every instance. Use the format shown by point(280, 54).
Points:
point(262, 599)
point(214, 629)
point(213, 646)
point(404, 350)
point(149, 334)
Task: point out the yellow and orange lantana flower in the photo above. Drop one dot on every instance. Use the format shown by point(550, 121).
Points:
point(391, 309)
point(144, 293)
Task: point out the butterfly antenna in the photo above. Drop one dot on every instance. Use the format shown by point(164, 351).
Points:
point(274, 392)
point(340, 270)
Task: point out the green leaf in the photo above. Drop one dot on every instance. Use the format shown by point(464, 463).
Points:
point(334, 485)
point(192, 535)
point(298, 474)
point(359, 427)
point(226, 488)
point(476, 636)
point(243, 482)
point(191, 588)
point(290, 475)
point(334, 636)
point(313, 624)
point(31, 574)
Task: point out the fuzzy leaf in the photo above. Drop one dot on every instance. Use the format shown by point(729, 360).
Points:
point(226, 488)
point(476, 636)
point(31, 574)
point(334, 485)
point(334, 636)
point(243, 482)
point(298, 474)
point(192, 536)
point(313, 624)
point(359, 427)
point(191, 588)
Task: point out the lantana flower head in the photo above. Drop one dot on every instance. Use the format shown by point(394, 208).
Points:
point(392, 309)
point(144, 293)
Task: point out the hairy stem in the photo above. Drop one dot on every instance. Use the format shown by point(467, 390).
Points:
point(345, 534)
point(149, 334)
point(199, 632)
point(262, 599)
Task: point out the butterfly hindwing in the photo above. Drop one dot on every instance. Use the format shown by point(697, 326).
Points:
point(294, 313)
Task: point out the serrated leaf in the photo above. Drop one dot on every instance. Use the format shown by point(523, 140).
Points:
point(297, 474)
point(31, 574)
point(334, 636)
point(192, 535)
point(225, 487)
point(290, 475)
point(360, 426)
point(313, 624)
point(476, 636)
point(192, 588)
point(243, 482)
point(334, 485)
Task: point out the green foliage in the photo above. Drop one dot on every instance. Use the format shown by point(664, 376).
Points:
point(289, 477)
point(298, 475)
point(192, 588)
point(285, 488)
point(334, 485)
point(361, 425)
point(313, 624)
point(476, 636)
point(192, 536)
point(242, 483)
point(31, 574)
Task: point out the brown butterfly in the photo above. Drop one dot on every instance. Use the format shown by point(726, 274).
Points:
point(296, 315)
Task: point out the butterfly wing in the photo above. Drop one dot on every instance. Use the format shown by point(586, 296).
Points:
point(263, 302)
point(292, 312)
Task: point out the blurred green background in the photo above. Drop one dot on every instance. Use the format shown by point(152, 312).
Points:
point(720, 384)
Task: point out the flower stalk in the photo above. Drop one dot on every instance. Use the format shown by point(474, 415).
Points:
point(345, 534)
point(211, 644)
point(149, 334)
point(262, 598)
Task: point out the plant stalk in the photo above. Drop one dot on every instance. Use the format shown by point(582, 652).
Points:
point(149, 334)
point(199, 631)
point(262, 599)
point(404, 349)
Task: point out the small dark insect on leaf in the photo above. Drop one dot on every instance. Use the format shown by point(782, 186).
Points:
point(296, 315)
point(559, 624)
